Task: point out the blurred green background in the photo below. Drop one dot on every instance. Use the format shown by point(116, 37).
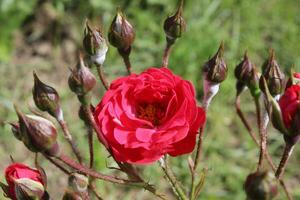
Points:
point(45, 35)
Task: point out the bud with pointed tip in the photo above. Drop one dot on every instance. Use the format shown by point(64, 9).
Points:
point(215, 70)
point(23, 182)
point(175, 25)
point(246, 73)
point(78, 182)
point(37, 133)
point(261, 185)
point(46, 98)
point(273, 75)
point(95, 44)
point(81, 79)
point(121, 33)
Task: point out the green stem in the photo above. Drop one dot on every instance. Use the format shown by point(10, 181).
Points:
point(172, 179)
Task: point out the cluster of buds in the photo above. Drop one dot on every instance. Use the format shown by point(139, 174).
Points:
point(261, 185)
point(37, 134)
point(214, 72)
point(174, 26)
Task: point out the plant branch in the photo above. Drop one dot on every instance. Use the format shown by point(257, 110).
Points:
point(252, 135)
point(288, 150)
point(263, 137)
point(57, 164)
point(166, 55)
point(102, 76)
point(70, 140)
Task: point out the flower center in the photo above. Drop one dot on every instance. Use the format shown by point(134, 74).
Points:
point(153, 112)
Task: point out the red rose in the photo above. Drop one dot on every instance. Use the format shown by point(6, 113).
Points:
point(289, 104)
point(18, 171)
point(145, 116)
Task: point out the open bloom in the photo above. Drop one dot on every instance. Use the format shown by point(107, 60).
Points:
point(22, 175)
point(142, 117)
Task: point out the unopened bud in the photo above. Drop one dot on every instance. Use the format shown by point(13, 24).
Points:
point(261, 186)
point(174, 25)
point(78, 182)
point(246, 73)
point(95, 44)
point(46, 98)
point(273, 75)
point(81, 79)
point(37, 133)
point(215, 70)
point(26, 188)
point(121, 33)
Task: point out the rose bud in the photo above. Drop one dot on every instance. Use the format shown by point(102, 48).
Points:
point(81, 79)
point(215, 70)
point(46, 98)
point(121, 33)
point(290, 109)
point(37, 133)
point(94, 44)
point(174, 25)
point(149, 115)
point(261, 186)
point(246, 73)
point(78, 182)
point(273, 75)
point(24, 182)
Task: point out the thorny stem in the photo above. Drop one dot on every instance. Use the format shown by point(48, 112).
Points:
point(263, 137)
point(252, 135)
point(97, 175)
point(70, 140)
point(166, 55)
point(83, 169)
point(57, 164)
point(102, 76)
point(288, 150)
point(172, 179)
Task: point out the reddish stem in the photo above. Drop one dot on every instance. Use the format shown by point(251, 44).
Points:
point(102, 76)
point(70, 140)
